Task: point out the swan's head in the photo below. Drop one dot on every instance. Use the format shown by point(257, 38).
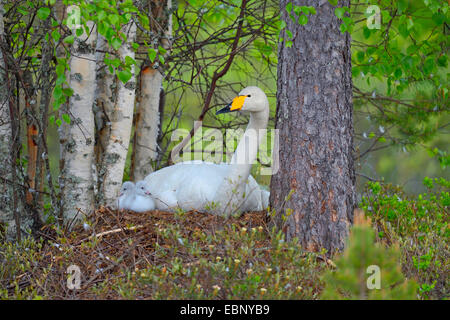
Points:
point(127, 187)
point(142, 189)
point(250, 99)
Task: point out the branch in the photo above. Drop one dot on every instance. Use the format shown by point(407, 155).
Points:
point(215, 78)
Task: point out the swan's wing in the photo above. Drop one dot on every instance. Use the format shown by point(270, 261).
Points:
point(189, 185)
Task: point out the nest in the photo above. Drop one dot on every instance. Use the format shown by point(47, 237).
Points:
point(116, 242)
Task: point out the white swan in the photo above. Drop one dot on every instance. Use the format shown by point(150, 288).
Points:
point(221, 189)
point(126, 195)
point(135, 197)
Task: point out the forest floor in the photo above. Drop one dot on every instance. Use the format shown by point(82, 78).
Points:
point(163, 255)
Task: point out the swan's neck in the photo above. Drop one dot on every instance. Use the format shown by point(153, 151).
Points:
point(247, 149)
point(241, 163)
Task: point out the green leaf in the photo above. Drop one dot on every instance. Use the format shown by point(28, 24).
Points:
point(289, 7)
point(66, 118)
point(69, 39)
point(116, 43)
point(402, 5)
point(124, 75)
point(366, 32)
point(289, 33)
point(68, 92)
point(115, 62)
point(303, 20)
point(152, 54)
point(43, 13)
point(79, 32)
point(57, 93)
point(56, 35)
point(101, 15)
point(360, 56)
point(161, 50)
point(438, 18)
point(442, 61)
point(113, 18)
point(339, 12)
point(129, 61)
point(161, 59)
point(333, 2)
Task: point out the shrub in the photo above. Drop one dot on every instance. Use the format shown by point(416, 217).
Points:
point(420, 227)
point(356, 271)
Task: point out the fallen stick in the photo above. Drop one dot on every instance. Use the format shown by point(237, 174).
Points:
point(101, 234)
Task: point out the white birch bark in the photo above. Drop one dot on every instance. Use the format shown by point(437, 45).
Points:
point(147, 121)
point(78, 195)
point(106, 95)
point(5, 135)
point(121, 123)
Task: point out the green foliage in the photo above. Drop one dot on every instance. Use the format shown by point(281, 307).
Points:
point(354, 278)
point(400, 70)
point(17, 262)
point(420, 226)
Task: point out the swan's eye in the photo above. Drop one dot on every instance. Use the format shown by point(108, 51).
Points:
point(249, 95)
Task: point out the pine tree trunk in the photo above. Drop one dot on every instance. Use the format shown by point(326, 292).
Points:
point(314, 118)
point(145, 148)
point(121, 122)
point(78, 145)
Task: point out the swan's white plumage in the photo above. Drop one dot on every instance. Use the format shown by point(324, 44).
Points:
point(126, 195)
point(218, 188)
point(142, 200)
point(193, 185)
point(135, 197)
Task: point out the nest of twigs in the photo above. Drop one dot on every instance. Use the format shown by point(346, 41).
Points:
point(117, 241)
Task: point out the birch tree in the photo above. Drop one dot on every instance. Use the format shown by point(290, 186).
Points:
point(5, 134)
point(147, 115)
point(77, 174)
point(121, 121)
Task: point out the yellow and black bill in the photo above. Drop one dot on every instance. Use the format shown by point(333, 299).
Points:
point(235, 105)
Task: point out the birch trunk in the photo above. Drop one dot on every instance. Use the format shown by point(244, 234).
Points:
point(147, 115)
point(121, 123)
point(77, 177)
point(106, 96)
point(6, 215)
point(147, 123)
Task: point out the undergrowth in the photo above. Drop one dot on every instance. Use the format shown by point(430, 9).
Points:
point(161, 255)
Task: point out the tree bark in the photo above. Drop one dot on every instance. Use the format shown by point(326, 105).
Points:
point(77, 177)
point(5, 138)
point(147, 114)
point(315, 122)
point(121, 122)
point(147, 123)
